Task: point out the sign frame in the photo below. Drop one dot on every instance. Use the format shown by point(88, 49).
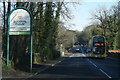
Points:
point(29, 33)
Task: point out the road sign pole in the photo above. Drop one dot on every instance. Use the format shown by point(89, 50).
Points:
point(8, 39)
point(8, 42)
point(31, 51)
point(31, 56)
point(20, 23)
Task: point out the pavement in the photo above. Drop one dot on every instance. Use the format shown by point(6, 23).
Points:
point(37, 68)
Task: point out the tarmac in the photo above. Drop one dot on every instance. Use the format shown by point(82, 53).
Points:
point(37, 68)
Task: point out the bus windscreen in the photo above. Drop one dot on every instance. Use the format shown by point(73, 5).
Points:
point(98, 39)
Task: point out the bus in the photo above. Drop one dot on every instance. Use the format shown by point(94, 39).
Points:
point(98, 47)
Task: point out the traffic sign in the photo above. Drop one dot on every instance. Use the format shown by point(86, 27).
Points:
point(20, 23)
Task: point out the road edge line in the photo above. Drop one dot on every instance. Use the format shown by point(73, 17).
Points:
point(105, 73)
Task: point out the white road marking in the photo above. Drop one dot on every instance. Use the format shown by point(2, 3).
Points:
point(41, 71)
point(100, 69)
point(84, 55)
point(53, 64)
point(105, 73)
point(59, 61)
point(92, 63)
point(78, 55)
point(72, 55)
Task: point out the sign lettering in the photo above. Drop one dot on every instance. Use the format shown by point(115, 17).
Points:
point(19, 21)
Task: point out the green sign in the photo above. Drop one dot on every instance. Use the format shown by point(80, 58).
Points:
point(20, 23)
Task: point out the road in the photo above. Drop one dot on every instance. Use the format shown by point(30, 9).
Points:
point(80, 66)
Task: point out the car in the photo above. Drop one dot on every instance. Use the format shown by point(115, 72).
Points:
point(77, 50)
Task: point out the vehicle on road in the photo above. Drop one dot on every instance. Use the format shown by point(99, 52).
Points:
point(98, 47)
point(77, 50)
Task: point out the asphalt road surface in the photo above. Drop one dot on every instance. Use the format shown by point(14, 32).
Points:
point(80, 66)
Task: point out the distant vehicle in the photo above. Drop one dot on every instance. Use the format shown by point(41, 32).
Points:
point(80, 51)
point(98, 47)
point(77, 50)
point(88, 50)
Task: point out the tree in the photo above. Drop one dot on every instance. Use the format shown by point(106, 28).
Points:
point(4, 31)
point(46, 16)
point(119, 25)
point(109, 23)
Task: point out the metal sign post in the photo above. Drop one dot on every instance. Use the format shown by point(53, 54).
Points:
point(19, 23)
